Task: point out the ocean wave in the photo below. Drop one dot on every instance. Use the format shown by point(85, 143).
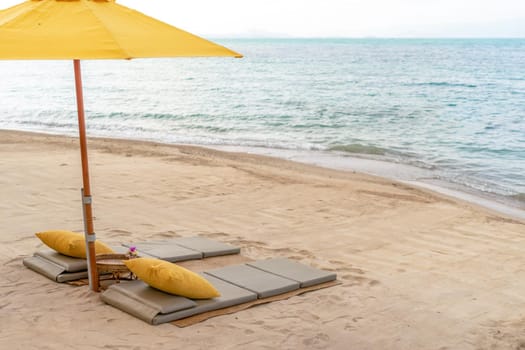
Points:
point(360, 149)
point(444, 83)
point(47, 124)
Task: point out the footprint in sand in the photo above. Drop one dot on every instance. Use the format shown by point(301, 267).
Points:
point(318, 341)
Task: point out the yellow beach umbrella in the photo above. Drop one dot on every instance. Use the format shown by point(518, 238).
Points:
point(92, 29)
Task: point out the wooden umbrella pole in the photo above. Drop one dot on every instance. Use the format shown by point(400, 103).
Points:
point(86, 200)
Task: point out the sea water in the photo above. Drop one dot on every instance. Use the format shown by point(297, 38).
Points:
point(436, 110)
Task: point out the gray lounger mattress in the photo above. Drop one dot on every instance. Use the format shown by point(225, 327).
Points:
point(155, 307)
point(306, 275)
point(265, 284)
point(237, 284)
point(62, 268)
point(207, 246)
point(57, 267)
point(184, 248)
point(165, 250)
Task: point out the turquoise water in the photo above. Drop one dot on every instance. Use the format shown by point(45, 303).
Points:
point(453, 107)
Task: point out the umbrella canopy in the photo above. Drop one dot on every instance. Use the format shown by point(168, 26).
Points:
point(92, 29)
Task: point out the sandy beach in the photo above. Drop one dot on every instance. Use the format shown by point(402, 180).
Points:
point(419, 270)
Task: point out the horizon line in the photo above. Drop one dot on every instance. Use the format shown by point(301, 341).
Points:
point(366, 37)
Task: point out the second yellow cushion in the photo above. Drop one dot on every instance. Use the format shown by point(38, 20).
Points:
point(70, 243)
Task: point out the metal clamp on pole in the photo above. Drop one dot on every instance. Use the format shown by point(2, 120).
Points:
point(86, 235)
point(86, 199)
point(91, 237)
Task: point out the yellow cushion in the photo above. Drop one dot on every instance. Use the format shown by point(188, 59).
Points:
point(171, 278)
point(70, 243)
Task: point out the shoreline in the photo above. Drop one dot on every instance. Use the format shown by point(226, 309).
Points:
point(408, 174)
point(392, 171)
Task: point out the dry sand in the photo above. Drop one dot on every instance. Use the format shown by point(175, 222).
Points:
point(418, 270)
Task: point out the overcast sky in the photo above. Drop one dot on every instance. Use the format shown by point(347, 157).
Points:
point(338, 18)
